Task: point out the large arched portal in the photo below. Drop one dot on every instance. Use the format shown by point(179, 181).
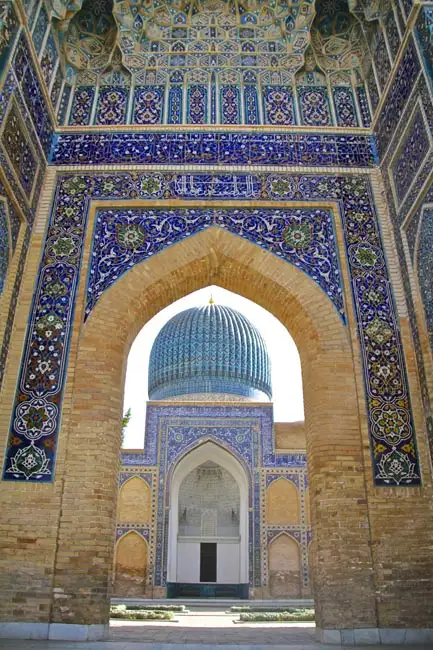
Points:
point(208, 526)
point(336, 434)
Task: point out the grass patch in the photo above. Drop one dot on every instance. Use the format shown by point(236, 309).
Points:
point(277, 616)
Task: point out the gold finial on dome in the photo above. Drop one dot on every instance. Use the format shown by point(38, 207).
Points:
point(211, 300)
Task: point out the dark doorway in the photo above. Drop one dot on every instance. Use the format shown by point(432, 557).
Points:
point(208, 562)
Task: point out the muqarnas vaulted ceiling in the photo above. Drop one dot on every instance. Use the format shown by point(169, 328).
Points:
point(210, 33)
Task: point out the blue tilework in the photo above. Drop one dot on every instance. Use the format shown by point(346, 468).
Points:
point(314, 106)
point(40, 29)
point(425, 268)
point(35, 419)
point(209, 349)
point(16, 144)
point(63, 104)
point(230, 105)
point(304, 238)
point(382, 62)
point(372, 90)
point(161, 148)
point(148, 105)
point(4, 245)
point(82, 105)
point(424, 34)
point(397, 97)
point(112, 105)
point(344, 106)
point(363, 106)
point(11, 26)
point(49, 60)
point(278, 105)
point(175, 105)
point(411, 156)
point(251, 105)
point(392, 33)
point(32, 93)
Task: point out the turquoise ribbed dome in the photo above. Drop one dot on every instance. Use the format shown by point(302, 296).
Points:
point(210, 349)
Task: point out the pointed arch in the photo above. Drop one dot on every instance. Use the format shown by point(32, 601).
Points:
point(131, 563)
point(284, 562)
point(134, 501)
point(282, 502)
point(334, 432)
point(208, 450)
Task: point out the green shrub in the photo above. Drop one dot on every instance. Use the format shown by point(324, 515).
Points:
point(268, 609)
point(153, 608)
point(277, 616)
point(142, 615)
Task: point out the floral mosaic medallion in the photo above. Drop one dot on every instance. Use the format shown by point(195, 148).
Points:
point(300, 236)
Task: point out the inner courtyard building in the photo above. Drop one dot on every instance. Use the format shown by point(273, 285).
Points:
point(280, 149)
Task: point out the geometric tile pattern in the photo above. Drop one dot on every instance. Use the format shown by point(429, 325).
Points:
point(344, 106)
point(4, 245)
point(305, 238)
point(163, 148)
point(425, 268)
point(411, 155)
point(19, 151)
point(397, 96)
point(37, 410)
point(314, 106)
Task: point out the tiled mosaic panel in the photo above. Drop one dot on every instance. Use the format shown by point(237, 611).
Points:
point(56, 87)
point(382, 62)
point(372, 90)
point(411, 155)
point(197, 104)
point(175, 105)
point(397, 97)
point(220, 103)
point(424, 31)
point(112, 105)
point(344, 106)
point(63, 104)
point(32, 93)
point(16, 144)
point(314, 106)
point(363, 106)
point(230, 105)
point(36, 414)
point(425, 268)
point(123, 238)
point(278, 106)
point(251, 105)
point(148, 105)
point(159, 148)
point(4, 245)
point(82, 105)
point(392, 33)
point(40, 29)
point(10, 26)
point(49, 60)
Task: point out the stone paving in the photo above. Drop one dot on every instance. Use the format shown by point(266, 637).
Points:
point(201, 630)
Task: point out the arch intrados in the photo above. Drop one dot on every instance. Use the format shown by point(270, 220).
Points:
point(131, 532)
point(218, 257)
point(209, 451)
point(132, 477)
point(284, 533)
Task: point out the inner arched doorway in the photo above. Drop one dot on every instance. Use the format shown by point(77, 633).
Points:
point(208, 524)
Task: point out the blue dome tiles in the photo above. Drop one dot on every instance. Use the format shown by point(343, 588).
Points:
point(210, 349)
